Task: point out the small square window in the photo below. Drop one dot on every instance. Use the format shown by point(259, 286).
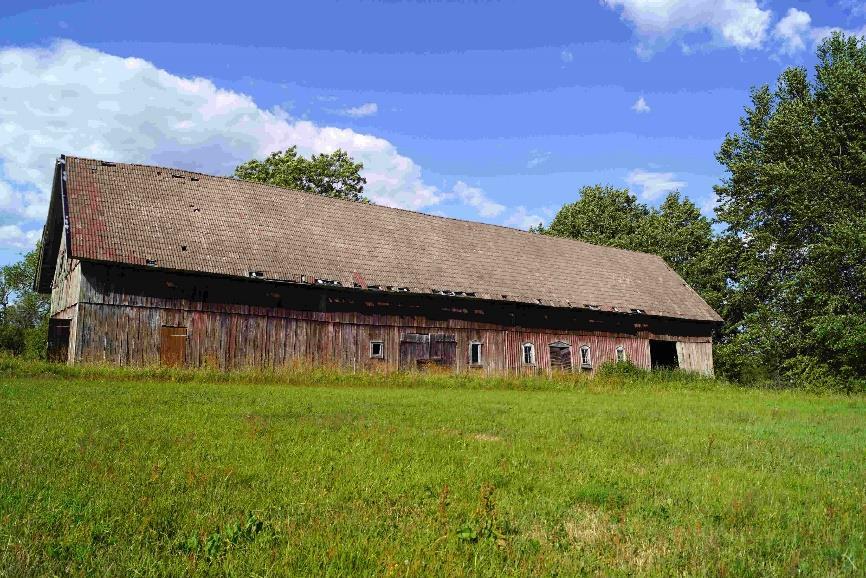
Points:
point(620, 354)
point(474, 353)
point(377, 349)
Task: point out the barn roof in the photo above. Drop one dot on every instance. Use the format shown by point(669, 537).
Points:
point(179, 220)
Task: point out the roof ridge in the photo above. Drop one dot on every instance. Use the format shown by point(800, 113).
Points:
point(375, 205)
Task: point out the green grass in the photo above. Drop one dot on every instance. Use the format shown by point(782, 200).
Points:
point(314, 472)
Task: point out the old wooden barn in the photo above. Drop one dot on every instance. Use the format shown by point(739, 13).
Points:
point(149, 265)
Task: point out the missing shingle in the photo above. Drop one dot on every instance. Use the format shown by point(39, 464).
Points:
point(193, 178)
point(176, 176)
point(107, 164)
point(150, 262)
point(256, 274)
point(183, 247)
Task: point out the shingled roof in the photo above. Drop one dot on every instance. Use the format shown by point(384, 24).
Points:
point(174, 219)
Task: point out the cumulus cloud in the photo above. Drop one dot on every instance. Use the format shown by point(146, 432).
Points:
point(13, 237)
point(76, 100)
point(640, 106)
point(567, 56)
point(739, 23)
point(366, 109)
point(653, 184)
point(478, 199)
point(795, 33)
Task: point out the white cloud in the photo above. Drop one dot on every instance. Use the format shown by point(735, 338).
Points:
point(739, 23)
point(653, 184)
point(366, 109)
point(567, 56)
point(537, 157)
point(12, 236)
point(523, 218)
point(795, 32)
point(640, 106)
point(76, 100)
point(792, 31)
point(478, 199)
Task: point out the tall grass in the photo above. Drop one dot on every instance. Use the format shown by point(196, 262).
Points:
point(306, 471)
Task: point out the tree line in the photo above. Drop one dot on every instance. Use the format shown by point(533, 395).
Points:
point(783, 261)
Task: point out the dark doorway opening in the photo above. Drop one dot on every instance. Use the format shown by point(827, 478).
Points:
point(663, 354)
point(58, 340)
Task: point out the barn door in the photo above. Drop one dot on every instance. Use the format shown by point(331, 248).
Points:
point(172, 345)
point(443, 349)
point(414, 348)
point(58, 340)
point(560, 356)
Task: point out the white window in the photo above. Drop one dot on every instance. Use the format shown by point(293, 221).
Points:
point(377, 349)
point(475, 353)
point(620, 354)
point(528, 354)
point(585, 356)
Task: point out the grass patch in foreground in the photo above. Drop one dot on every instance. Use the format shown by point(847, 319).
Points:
point(114, 472)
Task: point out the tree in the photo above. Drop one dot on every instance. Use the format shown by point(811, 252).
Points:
point(601, 215)
point(23, 312)
point(795, 232)
point(332, 175)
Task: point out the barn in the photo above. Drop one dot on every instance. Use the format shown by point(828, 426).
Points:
point(152, 265)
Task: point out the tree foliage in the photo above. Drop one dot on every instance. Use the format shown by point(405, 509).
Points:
point(23, 312)
point(794, 209)
point(332, 175)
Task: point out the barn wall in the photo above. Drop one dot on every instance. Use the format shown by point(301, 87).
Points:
point(697, 357)
point(66, 284)
point(129, 335)
point(121, 314)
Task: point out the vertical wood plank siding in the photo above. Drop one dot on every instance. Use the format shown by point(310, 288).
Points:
point(119, 327)
point(130, 335)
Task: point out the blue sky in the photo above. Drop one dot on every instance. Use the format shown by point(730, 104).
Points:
point(491, 111)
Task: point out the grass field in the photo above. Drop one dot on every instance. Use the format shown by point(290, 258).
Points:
point(108, 472)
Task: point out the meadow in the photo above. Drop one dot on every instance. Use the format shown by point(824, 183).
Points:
point(314, 472)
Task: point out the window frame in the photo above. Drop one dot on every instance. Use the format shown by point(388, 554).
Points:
point(585, 349)
point(381, 344)
point(532, 358)
point(480, 361)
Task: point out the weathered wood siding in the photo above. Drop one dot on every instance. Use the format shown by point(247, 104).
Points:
point(697, 357)
point(121, 315)
point(66, 284)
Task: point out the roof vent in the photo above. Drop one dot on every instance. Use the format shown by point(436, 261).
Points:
point(193, 178)
point(150, 262)
point(107, 164)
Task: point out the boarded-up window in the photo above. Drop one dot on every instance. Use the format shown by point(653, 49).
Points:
point(172, 345)
point(58, 340)
point(560, 356)
point(420, 350)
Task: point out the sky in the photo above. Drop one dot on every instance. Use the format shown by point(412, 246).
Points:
point(490, 111)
